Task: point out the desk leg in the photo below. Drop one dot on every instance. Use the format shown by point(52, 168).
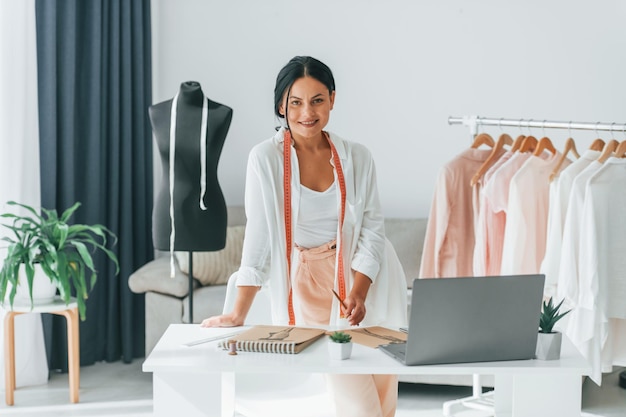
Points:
point(228, 394)
point(9, 357)
point(189, 395)
point(546, 395)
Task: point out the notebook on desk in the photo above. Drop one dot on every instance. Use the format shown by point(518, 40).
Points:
point(473, 319)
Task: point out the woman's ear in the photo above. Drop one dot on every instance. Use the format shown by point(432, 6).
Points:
point(332, 99)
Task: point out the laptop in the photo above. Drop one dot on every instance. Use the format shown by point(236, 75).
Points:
point(473, 319)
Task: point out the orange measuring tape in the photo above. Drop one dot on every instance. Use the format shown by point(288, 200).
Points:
point(287, 210)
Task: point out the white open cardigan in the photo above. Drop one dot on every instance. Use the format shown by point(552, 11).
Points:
point(264, 263)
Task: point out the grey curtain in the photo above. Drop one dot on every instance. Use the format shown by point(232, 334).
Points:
point(94, 84)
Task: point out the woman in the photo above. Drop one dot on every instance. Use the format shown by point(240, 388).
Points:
point(314, 225)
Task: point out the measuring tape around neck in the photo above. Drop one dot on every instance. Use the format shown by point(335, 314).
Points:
point(287, 211)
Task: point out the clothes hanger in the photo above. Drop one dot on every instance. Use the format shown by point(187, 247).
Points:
point(607, 151)
point(519, 139)
point(598, 144)
point(483, 139)
point(570, 146)
point(504, 139)
point(620, 151)
point(517, 143)
point(544, 144)
point(529, 144)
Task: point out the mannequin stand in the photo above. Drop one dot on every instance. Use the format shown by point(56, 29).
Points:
point(190, 287)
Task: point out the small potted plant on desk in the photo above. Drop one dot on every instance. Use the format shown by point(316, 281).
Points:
point(340, 345)
point(548, 340)
point(43, 247)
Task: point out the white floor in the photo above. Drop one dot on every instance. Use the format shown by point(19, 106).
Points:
point(119, 389)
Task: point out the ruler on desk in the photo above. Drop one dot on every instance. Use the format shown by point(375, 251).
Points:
point(211, 339)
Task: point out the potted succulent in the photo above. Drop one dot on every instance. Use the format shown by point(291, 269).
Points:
point(548, 340)
point(340, 345)
point(62, 251)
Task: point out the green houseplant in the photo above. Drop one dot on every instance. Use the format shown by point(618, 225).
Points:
point(548, 340)
point(340, 345)
point(340, 337)
point(62, 251)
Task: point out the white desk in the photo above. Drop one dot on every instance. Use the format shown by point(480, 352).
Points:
point(199, 380)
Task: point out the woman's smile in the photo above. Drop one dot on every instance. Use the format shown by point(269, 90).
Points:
point(307, 108)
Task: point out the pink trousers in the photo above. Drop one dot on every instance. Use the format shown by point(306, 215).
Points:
point(354, 395)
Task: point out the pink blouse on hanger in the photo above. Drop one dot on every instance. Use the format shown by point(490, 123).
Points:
point(496, 193)
point(449, 241)
point(490, 227)
point(527, 215)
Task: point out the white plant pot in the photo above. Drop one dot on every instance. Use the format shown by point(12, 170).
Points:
point(339, 351)
point(548, 346)
point(43, 288)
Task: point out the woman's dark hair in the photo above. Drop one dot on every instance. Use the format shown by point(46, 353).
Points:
point(298, 67)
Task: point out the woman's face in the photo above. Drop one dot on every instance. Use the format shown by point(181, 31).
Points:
point(308, 107)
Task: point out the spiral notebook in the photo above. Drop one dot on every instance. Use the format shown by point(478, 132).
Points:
point(274, 339)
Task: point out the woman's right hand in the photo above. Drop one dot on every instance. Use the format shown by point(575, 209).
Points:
point(243, 301)
point(225, 320)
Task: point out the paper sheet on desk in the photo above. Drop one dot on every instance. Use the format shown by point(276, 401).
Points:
point(375, 336)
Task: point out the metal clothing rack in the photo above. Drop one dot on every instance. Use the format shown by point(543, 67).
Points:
point(472, 122)
point(478, 400)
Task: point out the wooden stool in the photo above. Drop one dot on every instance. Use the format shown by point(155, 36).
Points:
point(57, 306)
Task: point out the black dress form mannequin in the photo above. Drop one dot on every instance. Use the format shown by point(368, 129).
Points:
point(195, 229)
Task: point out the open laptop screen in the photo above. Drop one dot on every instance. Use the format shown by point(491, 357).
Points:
point(474, 319)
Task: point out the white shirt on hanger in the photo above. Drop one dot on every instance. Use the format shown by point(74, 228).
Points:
point(567, 283)
point(602, 262)
point(560, 190)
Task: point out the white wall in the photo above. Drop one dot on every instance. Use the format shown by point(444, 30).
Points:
point(401, 67)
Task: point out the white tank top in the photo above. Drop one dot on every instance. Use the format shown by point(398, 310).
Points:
point(317, 217)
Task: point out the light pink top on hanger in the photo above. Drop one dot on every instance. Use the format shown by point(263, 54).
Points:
point(527, 215)
point(449, 241)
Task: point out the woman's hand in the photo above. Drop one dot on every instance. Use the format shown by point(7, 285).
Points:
point(355, 309)
point(243, 301)
point(225, 320)
point(355, 301)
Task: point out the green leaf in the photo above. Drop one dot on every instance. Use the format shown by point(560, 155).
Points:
point(550, 315)
point(64, 251)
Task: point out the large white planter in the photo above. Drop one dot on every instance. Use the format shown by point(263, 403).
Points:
point(43, 289)
point(548, 346)
point(339, 351)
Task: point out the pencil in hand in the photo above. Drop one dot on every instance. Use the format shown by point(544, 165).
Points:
point(345, 308)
